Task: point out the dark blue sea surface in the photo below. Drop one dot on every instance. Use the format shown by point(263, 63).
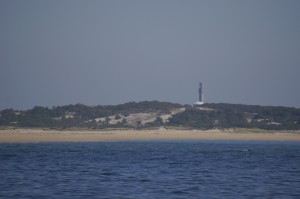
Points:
point(150, 169)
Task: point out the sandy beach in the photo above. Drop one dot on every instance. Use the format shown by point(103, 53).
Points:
point(40, 135)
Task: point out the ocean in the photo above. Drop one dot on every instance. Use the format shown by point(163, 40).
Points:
point(150, 169)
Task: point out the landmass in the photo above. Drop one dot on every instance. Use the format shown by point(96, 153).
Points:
point(153, 114)
point(150, 120)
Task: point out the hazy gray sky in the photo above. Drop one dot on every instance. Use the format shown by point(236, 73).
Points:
point(60, 52)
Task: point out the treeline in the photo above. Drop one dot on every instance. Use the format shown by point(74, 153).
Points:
point(201, 119)
point(80, 115)
point(239, 116)
point(208, 116)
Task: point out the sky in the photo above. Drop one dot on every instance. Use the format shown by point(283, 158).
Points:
point(106, 52)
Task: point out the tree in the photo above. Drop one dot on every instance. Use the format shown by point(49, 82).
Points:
point(159, 121)
point(124, 122)
point(139, 123)
point(117, 117)
point(107, 120)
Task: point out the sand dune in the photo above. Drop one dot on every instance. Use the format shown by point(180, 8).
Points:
point(39, 135)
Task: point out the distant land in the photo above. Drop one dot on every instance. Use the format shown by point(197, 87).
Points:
point(154, 114)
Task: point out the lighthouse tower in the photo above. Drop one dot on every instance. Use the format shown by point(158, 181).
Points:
point(201, 96)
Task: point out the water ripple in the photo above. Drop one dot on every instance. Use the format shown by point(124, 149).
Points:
point(202, 169)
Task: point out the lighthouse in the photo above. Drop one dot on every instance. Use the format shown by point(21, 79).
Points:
point(201, 96)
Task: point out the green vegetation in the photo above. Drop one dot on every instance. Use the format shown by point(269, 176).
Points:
point(80, 115)
point(209, 119)
point(130, 115)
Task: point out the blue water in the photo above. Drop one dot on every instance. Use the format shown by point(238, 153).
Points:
point(154, 169)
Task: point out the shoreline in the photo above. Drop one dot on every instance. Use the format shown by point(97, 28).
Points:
point(80, 135)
